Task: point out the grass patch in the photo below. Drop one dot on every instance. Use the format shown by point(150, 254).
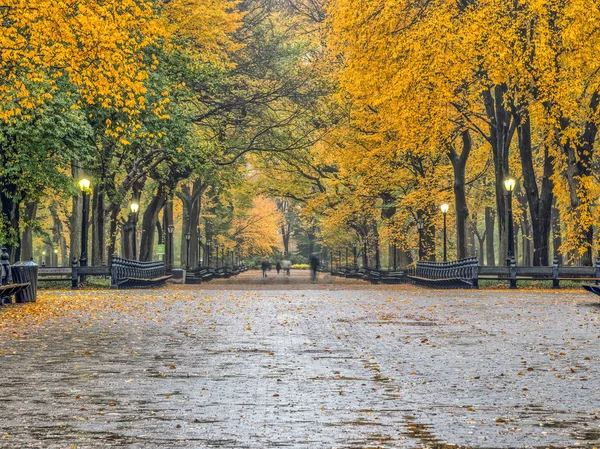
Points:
point(528, 284)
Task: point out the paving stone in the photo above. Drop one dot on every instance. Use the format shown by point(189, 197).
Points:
point(252, 364)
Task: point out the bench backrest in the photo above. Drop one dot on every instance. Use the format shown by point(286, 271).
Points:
point(458, 269)
point(134, 269)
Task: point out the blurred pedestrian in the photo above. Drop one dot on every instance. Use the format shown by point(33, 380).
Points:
point(278, 267)
point(314, 266)
point(264, 266)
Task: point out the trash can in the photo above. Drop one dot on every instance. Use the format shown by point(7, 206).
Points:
point(22, 273)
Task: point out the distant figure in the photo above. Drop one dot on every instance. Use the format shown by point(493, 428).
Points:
point(264, 266)
point(278, 267)
point(286, 265)
point(314, 266)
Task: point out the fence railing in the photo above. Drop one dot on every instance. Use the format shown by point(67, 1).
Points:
point(135, 272)
point(468, 273)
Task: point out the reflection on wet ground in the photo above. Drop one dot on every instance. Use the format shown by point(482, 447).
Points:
point(357, 368)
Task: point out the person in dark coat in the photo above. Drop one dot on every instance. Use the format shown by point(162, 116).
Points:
point(314, 266)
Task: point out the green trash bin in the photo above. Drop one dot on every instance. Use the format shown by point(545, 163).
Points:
point(22, 273)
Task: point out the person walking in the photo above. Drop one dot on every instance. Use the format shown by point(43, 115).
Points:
point(314, 266)
point(264, 266)
point(278, 267)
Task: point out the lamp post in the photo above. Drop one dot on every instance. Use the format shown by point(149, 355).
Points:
point(43, 258)
point(346, 257)
point(170, 230)
point(188, 237)
point(355, 255)
point(217, 254)
point(135, 207)
point(207, 253)
point(420, 226)
point(84, 185)
point(509, 185)
point(444, 208)
point(55, 257)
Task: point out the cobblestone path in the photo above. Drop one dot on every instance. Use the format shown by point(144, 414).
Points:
point(334, 366)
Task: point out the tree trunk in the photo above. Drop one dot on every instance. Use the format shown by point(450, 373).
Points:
point(75, 219)
point(579, 155)
point(149, 221)
point(501, 132)
point(58, 240)
point(459, 164)
point(481, 253)
point(27, 240)
point(98, 229)
point(490, 219)
point(191, 217)
point(376, 243)
point(556, 233)
point(10, 201)
point(540, 206)
point(168, 221)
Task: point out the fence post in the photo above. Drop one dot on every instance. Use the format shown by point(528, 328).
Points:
point(555, 280)
point(74, 274)
point(512, 274)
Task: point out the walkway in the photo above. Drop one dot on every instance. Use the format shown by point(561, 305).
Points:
point(350, 367)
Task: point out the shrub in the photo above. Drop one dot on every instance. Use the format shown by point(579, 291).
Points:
point(301, 266)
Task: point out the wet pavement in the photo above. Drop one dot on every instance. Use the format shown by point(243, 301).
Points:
point(266, 364)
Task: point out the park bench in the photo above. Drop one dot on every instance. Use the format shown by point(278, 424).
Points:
point(352, 273)
point(199, 275)
point(392, 277)
point(456, 274)
point(135, 274)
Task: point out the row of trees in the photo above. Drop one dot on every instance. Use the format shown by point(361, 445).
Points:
point(440, 102)
point(350, 121)
point(156, 102)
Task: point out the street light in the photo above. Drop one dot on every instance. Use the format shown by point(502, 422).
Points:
point(355, 255)
point(44, 258)
point(56, 256)
point(135, 207)
point(420, 226)
point(188, 237)
point(84, 185)
point(170, 230)
point(444, 208)
point(510, 184)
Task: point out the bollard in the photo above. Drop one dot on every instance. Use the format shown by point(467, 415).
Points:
point(555, 280)
point(512, 273)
